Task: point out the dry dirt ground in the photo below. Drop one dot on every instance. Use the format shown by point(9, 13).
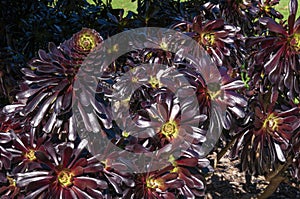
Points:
point(227, 182)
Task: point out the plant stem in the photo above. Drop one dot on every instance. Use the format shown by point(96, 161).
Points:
point(271, 188)
point(275, 178)
point(224, 150)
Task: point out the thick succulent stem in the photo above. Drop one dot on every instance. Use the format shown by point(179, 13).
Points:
point(271, 188)
point(275, 178)
point(228, 146)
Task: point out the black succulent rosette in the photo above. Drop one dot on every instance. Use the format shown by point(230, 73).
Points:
point(117, 173)
point(266, 142)
point(48, 88)
point(267, 8)
point(217, 38)
point(157, 184)
point(9, 188)
point(276, 63)
point(183, 177)
point(224, 42)
point(20, 151)
point(23, 151)
point(66, 171)
point(168, 122)
point(229, 94)
point(239, 13)
point(191, 169)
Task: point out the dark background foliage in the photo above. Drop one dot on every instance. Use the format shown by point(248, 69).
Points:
point(27, 26)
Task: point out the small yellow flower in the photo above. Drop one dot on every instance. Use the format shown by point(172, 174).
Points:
point(271, 122)
point(154, 82)
point(170, 129)
point(154, 183)
point(87, 42)
point(208, 38)
point(296, 42)
point(125, 134)
point(11, 181)
point(65, 178)
point(30, 155)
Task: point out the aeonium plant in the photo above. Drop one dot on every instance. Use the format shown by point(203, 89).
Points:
point(268, 144)
point(46, 97)
point(277, 61)
point(46, 158)
point(42, 156)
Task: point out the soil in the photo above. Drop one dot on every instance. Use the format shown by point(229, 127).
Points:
point(228, 182)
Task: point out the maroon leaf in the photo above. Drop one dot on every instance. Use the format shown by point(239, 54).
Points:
point(272, 25)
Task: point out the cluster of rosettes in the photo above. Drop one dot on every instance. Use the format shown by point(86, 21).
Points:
point(36, 159)
point(139, 109)
point(262, 118)
point(38, 167)
point(268, 138)
point(42, 155)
